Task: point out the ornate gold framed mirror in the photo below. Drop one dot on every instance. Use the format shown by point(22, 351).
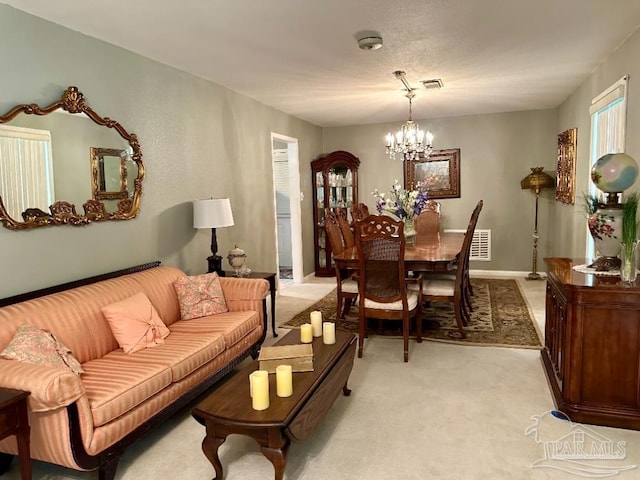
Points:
point(46, 178)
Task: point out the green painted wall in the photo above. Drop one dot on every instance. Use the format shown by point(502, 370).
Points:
point(496, 152)
point(570, 228)
point(198, 140)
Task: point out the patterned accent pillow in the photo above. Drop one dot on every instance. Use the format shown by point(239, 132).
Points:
point(41, 347)
point(135, 323)
point(200, 296)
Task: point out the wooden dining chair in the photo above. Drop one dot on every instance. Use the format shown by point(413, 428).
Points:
point(427, 223)
point(359, 212)
point(345, 227)
point(455, 288)
point(347, 288)
point(383, 293)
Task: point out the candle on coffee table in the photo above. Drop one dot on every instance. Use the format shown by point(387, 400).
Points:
point(329, 333)
point(251, 384)
point(306, 333)
point(260, 382)
point(316, 323)
point(284, 381)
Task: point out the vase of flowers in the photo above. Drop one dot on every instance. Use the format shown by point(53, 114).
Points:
point(402, 204)
point(629, 244)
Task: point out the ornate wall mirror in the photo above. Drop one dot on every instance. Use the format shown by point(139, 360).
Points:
point(66, 165)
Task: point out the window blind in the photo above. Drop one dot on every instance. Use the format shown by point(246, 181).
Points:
point(26, 169)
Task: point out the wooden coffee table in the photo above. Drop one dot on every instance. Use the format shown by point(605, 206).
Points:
point(228, 409)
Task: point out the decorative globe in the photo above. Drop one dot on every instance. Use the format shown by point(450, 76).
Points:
point(614, 172)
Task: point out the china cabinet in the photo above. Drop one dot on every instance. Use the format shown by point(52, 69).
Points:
point(592, 355)
point(335, 185)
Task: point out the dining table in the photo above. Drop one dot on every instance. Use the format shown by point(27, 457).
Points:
point(437, 253)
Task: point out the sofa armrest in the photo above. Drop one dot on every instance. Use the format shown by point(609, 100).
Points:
point(50, 387)
point(243, 289)
point(242, 294)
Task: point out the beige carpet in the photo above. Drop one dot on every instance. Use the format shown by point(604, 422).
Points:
point(500, 317)
point(451, 413)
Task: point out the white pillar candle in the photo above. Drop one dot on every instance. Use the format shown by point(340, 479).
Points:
point(284, 381)
point(306, 333)
point(260, 382)
point(316, 323)
point(329, 333)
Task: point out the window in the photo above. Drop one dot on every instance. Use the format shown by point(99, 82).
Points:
point(608, 130)
point(26, 169)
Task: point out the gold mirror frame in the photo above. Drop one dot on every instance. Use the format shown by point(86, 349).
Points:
point(62, 212)
point(566, 166)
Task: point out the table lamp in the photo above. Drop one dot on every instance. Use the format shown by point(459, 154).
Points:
point(213, 213)
point(536, 181)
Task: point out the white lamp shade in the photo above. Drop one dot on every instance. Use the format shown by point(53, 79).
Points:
point(212, 213)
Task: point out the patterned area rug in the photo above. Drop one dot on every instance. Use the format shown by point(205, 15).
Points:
point(500, 317)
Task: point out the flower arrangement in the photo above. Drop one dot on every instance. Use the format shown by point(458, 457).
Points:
point(403, 204)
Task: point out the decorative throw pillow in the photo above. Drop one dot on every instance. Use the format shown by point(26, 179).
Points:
point(41, 347)
point(200, 295)
point(135, 323)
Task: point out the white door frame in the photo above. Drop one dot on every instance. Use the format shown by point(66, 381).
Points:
point(295, 198)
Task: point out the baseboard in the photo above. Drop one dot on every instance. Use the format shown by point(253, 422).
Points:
point(499, 273)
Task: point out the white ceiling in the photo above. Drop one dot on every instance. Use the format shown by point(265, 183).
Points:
point(302, 57)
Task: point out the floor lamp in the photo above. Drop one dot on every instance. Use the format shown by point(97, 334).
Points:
point(536, 181)
point(213, 213)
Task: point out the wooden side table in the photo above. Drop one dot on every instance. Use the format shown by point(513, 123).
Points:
point(271, 278)
point(14, 421)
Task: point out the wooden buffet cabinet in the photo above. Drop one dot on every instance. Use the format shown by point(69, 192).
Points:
point(592, 345)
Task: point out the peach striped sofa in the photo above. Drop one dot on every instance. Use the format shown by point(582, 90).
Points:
point(85, 422)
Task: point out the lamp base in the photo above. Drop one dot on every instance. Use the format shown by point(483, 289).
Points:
point(534, 276)
point(215, 265)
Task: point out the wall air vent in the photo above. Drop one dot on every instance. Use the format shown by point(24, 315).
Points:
point(433, 83)
point(480, 245)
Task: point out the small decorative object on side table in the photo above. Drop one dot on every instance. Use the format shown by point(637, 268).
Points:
point(237, 259)
point(271, 278)
point(14, 421)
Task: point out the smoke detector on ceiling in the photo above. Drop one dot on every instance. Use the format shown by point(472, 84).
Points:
point(433, 83)
point(370, 43)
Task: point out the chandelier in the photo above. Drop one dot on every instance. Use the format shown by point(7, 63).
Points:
point(410, 141)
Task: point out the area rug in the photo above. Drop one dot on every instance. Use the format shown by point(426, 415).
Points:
point(500, 317)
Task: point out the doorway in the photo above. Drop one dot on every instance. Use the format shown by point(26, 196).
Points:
point(287, 197)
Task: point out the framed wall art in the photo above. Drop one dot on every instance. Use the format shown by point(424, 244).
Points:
point(440, 172)
point(566, 170)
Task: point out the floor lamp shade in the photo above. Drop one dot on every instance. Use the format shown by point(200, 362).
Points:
point(213, 213)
